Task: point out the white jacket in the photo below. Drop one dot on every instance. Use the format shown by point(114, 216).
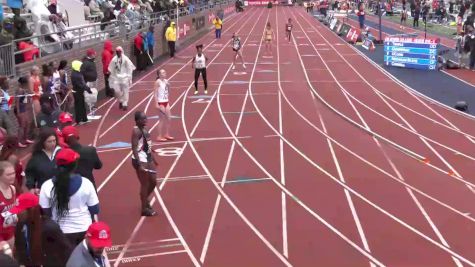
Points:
point(121, 73)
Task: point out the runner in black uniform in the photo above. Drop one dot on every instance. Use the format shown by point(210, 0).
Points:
point(288, 29)
point(236, 44)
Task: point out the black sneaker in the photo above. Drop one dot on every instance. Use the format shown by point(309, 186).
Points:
point(124, 108)
point(149, 213)
point(120, 106)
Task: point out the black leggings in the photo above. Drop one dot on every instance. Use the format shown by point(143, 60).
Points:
point(197, 75)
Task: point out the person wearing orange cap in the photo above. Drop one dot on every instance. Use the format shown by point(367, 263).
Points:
point(68, 198)
point(121, 69)
point(88, 157)
point(90, 252)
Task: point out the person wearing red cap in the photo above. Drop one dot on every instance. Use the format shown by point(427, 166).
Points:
point(144, 162)
point(28, 230)
point(121, 69)
point(7, 202)
point(88, 157)
point(89, 253)
point(65, 119)
point(88, 67)
point(69, 198)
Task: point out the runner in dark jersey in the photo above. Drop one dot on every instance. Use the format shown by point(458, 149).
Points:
point(288, 29)
point(144, 162)
point(237, 45)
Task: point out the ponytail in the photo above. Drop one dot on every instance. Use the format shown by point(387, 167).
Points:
point(60, 191)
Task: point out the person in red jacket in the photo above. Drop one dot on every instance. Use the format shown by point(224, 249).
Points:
point(107, 55)
point(139, 52)
point(31, 50)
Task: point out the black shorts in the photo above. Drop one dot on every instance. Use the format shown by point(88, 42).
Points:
point(235, 50)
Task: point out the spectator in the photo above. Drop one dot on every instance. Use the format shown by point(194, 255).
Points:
point(30, 50)
point(7, 201)
point(8, 153)
point(121, 69)
point(23, 111)
point(88, 67)
point(48, 117)
point(65, 119)
point(417, 13)
point(94, 8)
point(42, 165)
point(53, 7)
point(361, 15)
point(107, 55)
point(35, 87)
point(55, 246)
point(150, 41)
point(47, 78)
point(460, 52)
point(472, 50)
point(170, 35)
point(28, 230)
point(89, 252)
point(68, 198)
point(79, 87)
point(147, 59)
point(7, 124)
point(88, 157)
point(218, 24)
point(139, 51)
point(64, 95)
point(4, 96)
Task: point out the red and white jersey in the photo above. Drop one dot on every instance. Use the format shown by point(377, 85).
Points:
point(6, 223)
point(162, 90)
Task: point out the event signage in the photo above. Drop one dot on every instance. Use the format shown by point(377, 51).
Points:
point(414, 53)
point(259, 3)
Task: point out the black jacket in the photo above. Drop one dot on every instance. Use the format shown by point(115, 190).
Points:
point(88, 161)
point(39, 169)
point(55, 247)
point(79, 84)
point(44, 119)
point(88, 70)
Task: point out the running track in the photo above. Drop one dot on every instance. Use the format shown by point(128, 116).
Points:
point(313, 157)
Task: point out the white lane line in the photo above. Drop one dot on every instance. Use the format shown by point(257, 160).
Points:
point(139, 257)
point(441, 246)
point(285, 242)
point(224, 178)
point(141, 220)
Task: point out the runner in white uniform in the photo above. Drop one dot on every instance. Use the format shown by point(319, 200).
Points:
point(199, 64)
point(161, 101)
point(236, 44)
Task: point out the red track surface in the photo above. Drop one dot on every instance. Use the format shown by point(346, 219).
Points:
point(307, 126)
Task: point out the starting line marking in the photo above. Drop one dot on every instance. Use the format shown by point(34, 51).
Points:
point(117, 247)
point(138, 258)
point(247, 180)
point(184, 178)
point(239, 73)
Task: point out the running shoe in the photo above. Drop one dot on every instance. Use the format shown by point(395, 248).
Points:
point(148, 212)
point(244, 66)
point(234, 67)
point(206, 92)
point(196, 92)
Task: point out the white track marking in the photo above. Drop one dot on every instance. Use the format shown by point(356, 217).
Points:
point(285, 241)
point(223, 182)
point(361, 196)
point(140, 222)
point(292, 196)
point(347, 95)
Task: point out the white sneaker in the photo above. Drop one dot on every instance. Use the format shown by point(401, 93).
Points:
point(196, 92)
point(244, 65)
point(234, 67)
point(206, 92)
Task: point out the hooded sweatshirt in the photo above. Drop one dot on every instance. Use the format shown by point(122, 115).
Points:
point(121, 70)
point(88, 69)
point(107, 56)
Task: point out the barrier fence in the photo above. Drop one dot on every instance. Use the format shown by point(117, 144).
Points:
point(87, 35)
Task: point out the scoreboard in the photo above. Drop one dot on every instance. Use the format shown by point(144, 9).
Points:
point(414, 53)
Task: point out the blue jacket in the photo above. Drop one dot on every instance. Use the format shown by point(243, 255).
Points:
point(150, 39)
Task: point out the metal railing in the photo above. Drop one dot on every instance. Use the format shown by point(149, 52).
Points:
point(7, 60)
point(85, 35)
